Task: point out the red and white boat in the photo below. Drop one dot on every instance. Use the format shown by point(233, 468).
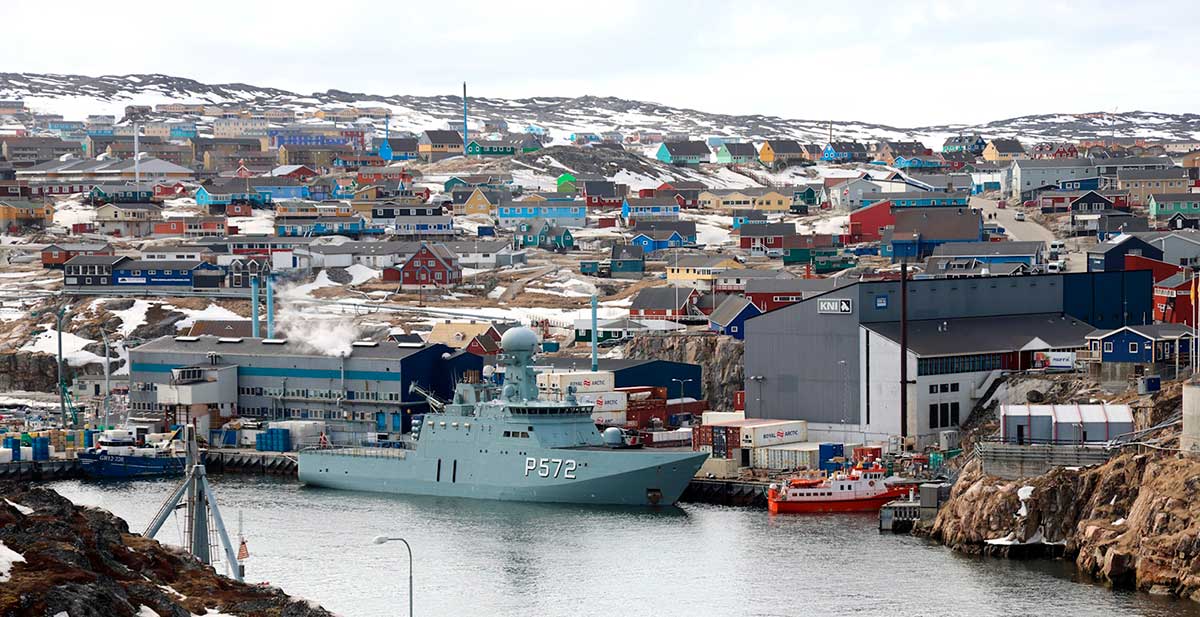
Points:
point(856, 490)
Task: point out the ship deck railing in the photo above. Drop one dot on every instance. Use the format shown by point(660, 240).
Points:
point(364, 451)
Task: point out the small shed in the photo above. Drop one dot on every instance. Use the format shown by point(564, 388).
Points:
point(1064, 424)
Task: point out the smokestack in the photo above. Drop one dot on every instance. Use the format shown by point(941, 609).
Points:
point(254, 305)
point(903, 351)
point(270, 306)
point(465, 139)
point(595, 336)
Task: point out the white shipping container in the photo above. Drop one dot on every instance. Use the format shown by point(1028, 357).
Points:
point(583, 381)
point(604, 401)
point(775, 433)
point(248, 437)
point(615, 418)
point(717, 417)
point(6, 455)
point(682, 434)
point(787, 456)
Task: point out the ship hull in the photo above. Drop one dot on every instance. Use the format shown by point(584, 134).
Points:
point(866, 504)
point(108, 466)
point(576, 476)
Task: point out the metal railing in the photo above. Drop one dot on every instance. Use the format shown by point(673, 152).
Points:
point(363, 451)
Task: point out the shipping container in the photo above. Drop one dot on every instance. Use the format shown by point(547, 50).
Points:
point(611, 418)
point(865, 453)
point(604, 401)
point(717, 417)
point(760, 434)
point(676, 437)
point(801, 455)
point(583, 381)
point(718, 468)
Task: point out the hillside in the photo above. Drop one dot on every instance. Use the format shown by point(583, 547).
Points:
point(76, 96)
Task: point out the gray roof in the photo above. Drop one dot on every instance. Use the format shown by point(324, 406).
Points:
point(1054, 163)
point(730, 308)
point(1152, 331)
point(155, 264)
point(95, 260)
point(685, 228)
point(661, 298)
point(762, 230)
point(988, 249)
point(248, 345)
point(1169, 197)
point(627, 251)
point(740, 149)
point(972, 335)
point(443, 137)
point(1007, 145)
point(795, 285)
point(687, 148)
point(1174, 173)
point(80, 246)
point(938, 223)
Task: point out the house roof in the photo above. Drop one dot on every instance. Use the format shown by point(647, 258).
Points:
point(221, 327)
point(849, 146)
point(1158, 331)
point(600, 188)
point(1007, 146)
point(1170, 197)
point(457, 334)
point(627, 251)
point(443, 137)
point(988, 249)
point(687, 148)
point(937, 223)
point(973, 335)
point(661, 298)
point(740, 149)
point(79, 246)
point(95, 260)
point(164, 264)
point(402, 144)
point(795, 285)
point(1054, 163)
point(1173, 173)
point(762, 230)
point(1175, 280)
point(647, 226)
point(729, 309)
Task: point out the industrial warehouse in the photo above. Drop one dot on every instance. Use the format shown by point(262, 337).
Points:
point(834, 359)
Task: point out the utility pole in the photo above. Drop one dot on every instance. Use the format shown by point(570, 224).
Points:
point(903, 352)
point(465, 118)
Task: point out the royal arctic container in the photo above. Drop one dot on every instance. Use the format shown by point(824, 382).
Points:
point(609, 418)
point(717, 417)
point(801, 455)
point(604, 401)
point(761, 434)
point(583, 381)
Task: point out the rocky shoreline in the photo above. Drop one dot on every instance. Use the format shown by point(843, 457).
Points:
point(1133, 522)
point(57, 558)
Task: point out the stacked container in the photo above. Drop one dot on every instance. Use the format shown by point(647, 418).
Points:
point(13, 444)
point(828, 452)
point(41, 448)
point(273, 440)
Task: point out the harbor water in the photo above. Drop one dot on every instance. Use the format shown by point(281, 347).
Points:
point(495, 558)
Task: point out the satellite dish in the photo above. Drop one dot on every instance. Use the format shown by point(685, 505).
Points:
point(489, 370)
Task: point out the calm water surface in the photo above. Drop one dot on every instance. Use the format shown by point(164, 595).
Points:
point(500, 559)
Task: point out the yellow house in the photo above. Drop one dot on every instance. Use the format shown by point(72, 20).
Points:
point(726, 199)
point(457, 334)
point(479, 202)
point(782, 151)
point(773, 201)
point(21, 213)
point(1004, 150)
point(698, 271)
point(437, 145)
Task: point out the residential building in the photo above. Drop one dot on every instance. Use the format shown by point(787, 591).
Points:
point(19, 214)
point(730, 316)
point(729, 153)
point(558, 212)
point(697, 271)
point(1110, 256)
point(431, 266)
point(130, 220)
point(56, 255)
point(543, 235)
point(1166, 205)
point(845, 152)
point(439, 144)
point(919, 231)
point(676, 304)
point(684, 153)
point(765, 238)
point(656, 235)
point(779, 153)
point(769, 294)
point(1142, 183)
point(1003, 150)
point(1031, 176)
point(970, 144)
point(398, 149)
point(314, 156)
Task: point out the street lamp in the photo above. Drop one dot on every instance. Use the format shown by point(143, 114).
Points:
point(681, 382)
point(385, 540)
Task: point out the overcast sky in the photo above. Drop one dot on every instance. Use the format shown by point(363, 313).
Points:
point(903, 63)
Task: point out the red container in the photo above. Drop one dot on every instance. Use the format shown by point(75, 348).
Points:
point(607, 221)
point(640, 414)
point(873, 453)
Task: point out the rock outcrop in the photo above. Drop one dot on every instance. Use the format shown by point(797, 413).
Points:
point(85, 563)
point(720, 359)
point(1133, 522)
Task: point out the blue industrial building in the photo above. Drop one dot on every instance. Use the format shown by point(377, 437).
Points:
point(1110, 256)
point(287, 379)
point(158, 273)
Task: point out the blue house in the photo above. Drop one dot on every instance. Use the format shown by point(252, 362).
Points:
point(534, 129)
point(1146, 344)
point(649, 207)
point(167, 273)
point(917, 232)
point(1080, 184)
point(324, 226)
point(923, 199)
point(398, 149)
point(730, 317)
point(844, 151)
point(656, 235)
point(232, 191)
point(1110, 256)
point(747, 217)
point(917, 162)
point(560, 212)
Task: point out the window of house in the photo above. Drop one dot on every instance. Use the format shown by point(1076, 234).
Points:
point(1108, 347)
point(1133, 347)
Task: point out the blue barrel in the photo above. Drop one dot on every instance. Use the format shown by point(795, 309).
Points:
point(260, 442)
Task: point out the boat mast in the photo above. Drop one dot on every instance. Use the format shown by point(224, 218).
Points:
point(200, 506)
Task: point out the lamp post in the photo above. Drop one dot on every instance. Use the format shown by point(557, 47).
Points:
point(681, 382)
point(385, 540)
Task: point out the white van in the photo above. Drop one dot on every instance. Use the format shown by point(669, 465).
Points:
point(1058, 246)
point(1056, 267)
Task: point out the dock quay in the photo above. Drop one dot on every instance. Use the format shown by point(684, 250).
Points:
point(54, 469)
point(899, 515)
point(747, 493)
point(237, 460)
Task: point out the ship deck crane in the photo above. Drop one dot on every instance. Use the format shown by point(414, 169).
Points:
point(436, 404)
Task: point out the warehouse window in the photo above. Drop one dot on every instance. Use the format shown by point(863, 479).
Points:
point(933, 415)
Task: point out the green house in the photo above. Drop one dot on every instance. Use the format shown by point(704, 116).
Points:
point(736, 154)
point(485, 147)
point(1167, 204)
point(566, 183)
point(543, 235)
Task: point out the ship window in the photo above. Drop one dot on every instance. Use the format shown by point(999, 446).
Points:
point(524, 435)
point(506, 433)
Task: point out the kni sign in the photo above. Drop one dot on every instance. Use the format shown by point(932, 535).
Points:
point(835, 306)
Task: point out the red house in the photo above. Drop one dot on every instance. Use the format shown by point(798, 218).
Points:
point(765, 238)
point(483, 345)
point(192, 226)
point(867, 224)
point(432, 265)
point(1173, 300)
point(1161, 269)
point(371, 175)
point(666, 303)
point(299, 173)
point(599, 194)
point(55, 255)
point(168, 190)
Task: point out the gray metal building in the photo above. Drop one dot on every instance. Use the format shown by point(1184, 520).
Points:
point(832, 359)
point(365, 390)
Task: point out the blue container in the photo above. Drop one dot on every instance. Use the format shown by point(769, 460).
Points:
point(260, 442)
point(89, 439)
point(16, 449)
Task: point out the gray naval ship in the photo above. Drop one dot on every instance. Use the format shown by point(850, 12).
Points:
point(504, 443)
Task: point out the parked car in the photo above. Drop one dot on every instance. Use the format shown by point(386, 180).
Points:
point(1020, 216)
point(1056, 267)
point(1002, 204)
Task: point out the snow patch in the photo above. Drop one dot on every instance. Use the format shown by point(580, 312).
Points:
point(1023, 494)
point(8, 557)
point(72, 347)
point(27, 510)
point(360, 274)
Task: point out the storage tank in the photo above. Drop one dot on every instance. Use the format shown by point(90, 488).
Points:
point(1189, 440)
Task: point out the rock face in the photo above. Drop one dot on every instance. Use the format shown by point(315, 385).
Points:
point(720, 359)
point(1133, 522)
point(38, 372)
point(84, 562)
